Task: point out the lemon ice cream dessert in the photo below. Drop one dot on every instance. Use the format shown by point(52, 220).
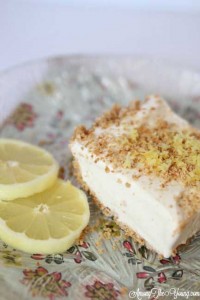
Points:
point(142, 164)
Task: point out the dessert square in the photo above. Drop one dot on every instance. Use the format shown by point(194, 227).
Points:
point(142, 164)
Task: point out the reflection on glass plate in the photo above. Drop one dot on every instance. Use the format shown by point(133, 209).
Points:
point(45, 101)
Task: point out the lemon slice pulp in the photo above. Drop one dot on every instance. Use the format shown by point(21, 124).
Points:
point(48, 222)
point(24, 169)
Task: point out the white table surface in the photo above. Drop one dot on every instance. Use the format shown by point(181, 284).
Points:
point(33, 29)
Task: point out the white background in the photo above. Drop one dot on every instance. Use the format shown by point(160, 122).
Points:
point(32, 29)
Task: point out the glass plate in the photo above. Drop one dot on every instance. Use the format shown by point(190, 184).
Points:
point(45, 100)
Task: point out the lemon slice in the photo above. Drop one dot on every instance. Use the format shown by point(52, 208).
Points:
point(24, 169)
point(48, 222)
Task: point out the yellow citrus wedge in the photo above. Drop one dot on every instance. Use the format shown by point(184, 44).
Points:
point(24, 169)
point(48, 222)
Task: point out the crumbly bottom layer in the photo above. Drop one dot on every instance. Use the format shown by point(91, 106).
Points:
point(106, 211)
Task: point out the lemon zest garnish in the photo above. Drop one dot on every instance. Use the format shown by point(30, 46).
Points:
point(178, 153)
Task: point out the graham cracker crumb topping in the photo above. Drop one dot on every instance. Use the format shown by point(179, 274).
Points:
point(163, 149)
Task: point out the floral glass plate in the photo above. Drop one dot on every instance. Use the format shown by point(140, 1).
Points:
point(41, 103)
